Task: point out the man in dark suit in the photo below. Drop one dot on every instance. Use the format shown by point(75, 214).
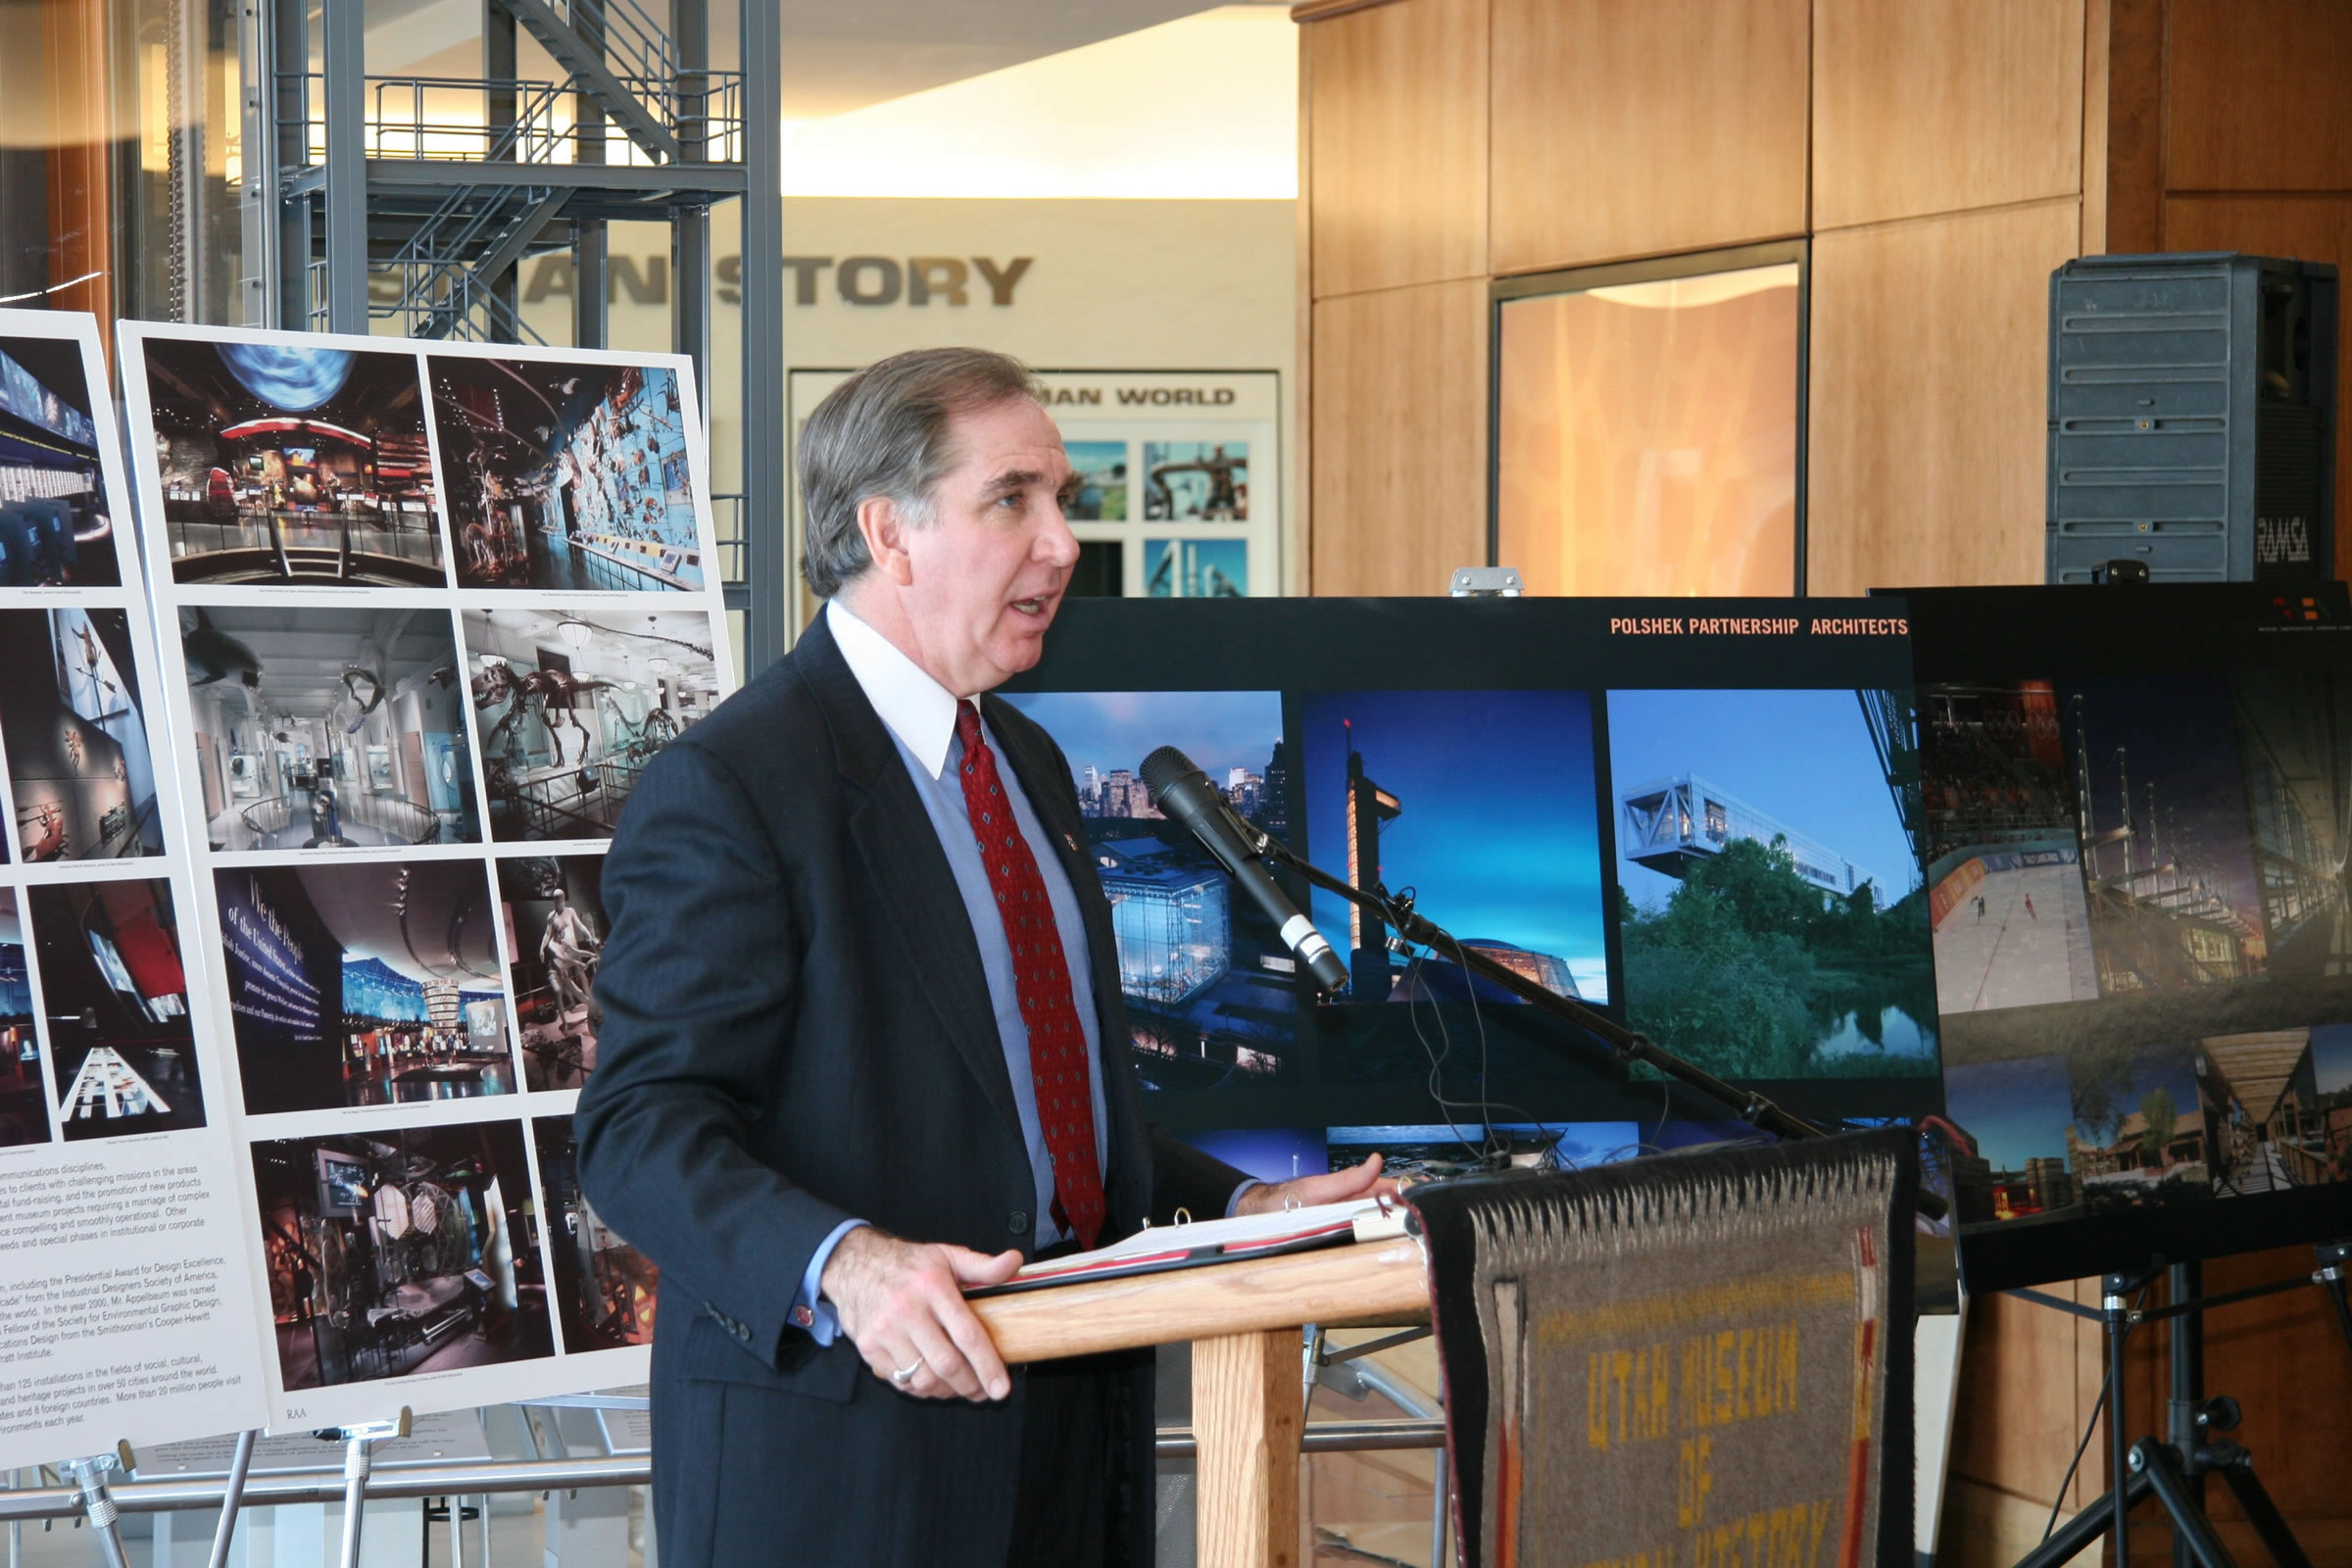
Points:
point(862, 1044)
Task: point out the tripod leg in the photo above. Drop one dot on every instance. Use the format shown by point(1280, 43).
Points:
point(2162, 1470)
point(2082, 1529)
point(2270, 1526)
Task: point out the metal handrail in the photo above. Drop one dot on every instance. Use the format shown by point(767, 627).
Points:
point(438, 1478)
point(521, 119)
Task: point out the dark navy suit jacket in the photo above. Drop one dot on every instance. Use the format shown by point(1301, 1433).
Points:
point(796, 1030)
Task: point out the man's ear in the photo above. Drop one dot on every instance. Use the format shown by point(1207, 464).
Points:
point(884, 528)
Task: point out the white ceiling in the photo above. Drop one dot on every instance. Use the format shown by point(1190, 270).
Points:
point(836, 56)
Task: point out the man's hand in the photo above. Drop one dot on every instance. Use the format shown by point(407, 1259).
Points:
point(902, 1305)
point(1340, 1187)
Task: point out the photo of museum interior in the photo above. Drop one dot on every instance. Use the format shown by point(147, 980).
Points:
point(604, 1288)
point(121, 1050)
point(402, 1251)
point(556, 926)
point(565, 476)
point(75, 735)
point(285, 464)
point(22, 1117)
point(363, 983)
point(571, 705)
point(328, 727)
point(54, 530)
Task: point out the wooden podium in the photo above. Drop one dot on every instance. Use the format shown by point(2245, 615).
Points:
point(1249, 1404)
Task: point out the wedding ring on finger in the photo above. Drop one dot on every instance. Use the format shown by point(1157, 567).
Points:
point(901, 1376)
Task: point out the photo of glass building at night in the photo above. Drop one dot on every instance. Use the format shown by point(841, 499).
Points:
point(1174, 922)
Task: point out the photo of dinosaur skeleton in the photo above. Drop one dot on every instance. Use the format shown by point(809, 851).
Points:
point(549, 695)
point(572, 704)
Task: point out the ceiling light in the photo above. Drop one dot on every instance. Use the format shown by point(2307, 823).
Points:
point(574, 631)
point(660, 665)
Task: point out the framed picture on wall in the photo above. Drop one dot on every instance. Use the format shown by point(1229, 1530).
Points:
point(1179, 491)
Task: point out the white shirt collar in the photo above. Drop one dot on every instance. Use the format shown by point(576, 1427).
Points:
point(917, 709)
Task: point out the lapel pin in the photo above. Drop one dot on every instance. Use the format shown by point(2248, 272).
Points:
point(1071, 839)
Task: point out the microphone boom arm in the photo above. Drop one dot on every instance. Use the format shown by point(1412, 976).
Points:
point(1629, 1046)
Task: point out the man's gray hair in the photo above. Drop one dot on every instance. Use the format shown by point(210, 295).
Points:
point(884, 432)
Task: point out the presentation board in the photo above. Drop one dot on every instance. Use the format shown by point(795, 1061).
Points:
point(126, 1311)
point(1696, 817)
point(2138, 804)
point(434, 607)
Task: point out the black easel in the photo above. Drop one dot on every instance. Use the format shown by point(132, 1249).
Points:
point(2174, 1467)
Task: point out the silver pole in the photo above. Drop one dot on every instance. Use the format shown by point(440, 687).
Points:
point(232, 1498)
point(100, 1507)
point(358, 1457)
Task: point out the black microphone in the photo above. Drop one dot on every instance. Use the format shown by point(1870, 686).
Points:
point(1183, 793)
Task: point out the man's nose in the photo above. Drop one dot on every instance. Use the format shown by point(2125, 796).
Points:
point(1056, 545)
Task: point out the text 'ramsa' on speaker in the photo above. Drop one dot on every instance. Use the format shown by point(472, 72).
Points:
point(2192, 417)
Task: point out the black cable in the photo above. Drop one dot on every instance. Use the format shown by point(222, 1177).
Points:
point(2106, 1385)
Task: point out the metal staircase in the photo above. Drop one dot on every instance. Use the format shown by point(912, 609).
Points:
point(434, 190)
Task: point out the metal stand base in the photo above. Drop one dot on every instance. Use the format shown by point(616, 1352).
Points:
point(2174, 1470)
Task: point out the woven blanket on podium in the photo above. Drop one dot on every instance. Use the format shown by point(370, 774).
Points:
point(1696, 1361)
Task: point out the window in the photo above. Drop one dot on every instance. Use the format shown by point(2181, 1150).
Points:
point(1647, 427)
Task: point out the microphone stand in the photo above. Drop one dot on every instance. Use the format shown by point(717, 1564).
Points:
point(1627, 1045)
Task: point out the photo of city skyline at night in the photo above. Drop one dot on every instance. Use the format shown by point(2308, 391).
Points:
point(1208, 986)
point(1774, 921)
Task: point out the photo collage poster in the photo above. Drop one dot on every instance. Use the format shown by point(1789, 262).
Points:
point(1179, 491)
point(436, 607)
point(1696, 829)
point(126, 1311)
point(2142, 927)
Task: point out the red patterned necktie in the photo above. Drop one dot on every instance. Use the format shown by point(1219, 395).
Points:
point(1041, 979)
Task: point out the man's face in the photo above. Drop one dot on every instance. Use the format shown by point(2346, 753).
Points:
point(987, 575)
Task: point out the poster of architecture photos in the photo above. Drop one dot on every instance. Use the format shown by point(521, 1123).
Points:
point(1179, 490)
point(428, 611)
point(127, 1309)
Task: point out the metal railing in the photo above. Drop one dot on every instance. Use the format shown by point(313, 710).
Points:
point(395, 815)
point(734, 551)
point(443, 1478)
point(522, 121)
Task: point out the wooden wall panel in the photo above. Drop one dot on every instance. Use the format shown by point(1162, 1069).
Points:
point(1396, 176)
point(1399, 434)
point(2256, 98)
point(1928, 410)
point(2134, 127)
point(2315, 228)
point(2032, 1353)
point(1642, 127)
point(1922, 106)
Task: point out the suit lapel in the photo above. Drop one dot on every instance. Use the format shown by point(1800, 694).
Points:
point(901, 854)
